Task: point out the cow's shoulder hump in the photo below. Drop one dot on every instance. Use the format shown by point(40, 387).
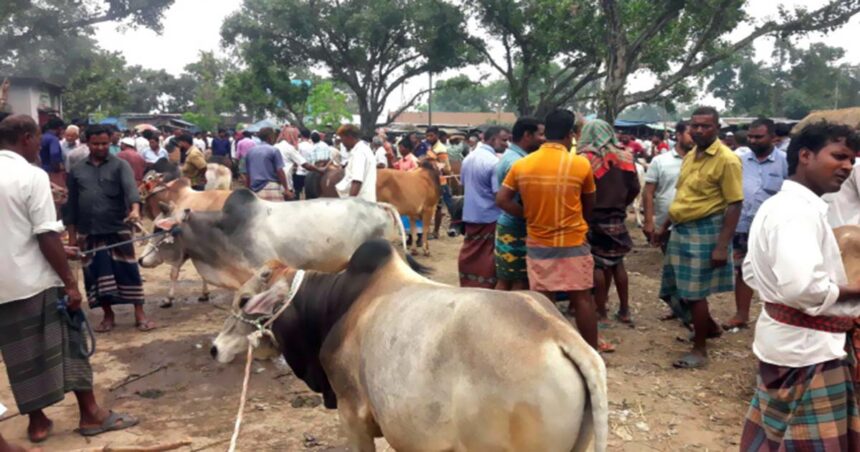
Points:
point(238, 208)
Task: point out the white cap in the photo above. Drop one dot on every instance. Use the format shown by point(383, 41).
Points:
point(127, 142)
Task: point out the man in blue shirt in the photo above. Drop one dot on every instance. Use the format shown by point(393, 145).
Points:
point(764, 170)
point(476, 262)
point(221, 149)
point(527, 136)
point(265, 169)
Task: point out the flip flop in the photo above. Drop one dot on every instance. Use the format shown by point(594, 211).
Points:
point(145, 326)
point(104, 327)
point(605, 347)
point(44, 438)
point(114, 422)
point(692, 335)
point(625, 319)
point(732, 324)
point(690, 361)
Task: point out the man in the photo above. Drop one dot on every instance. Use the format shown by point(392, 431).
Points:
point(69, 142)
point(661, 179)
point(172, 145)
point(359, 178)
point(420, 147)
point(200, 142)
point(439, 151)
point(730, 141)
point(153, 152)
point(527, 137)
point(783, 136)
point(305, 149)
point(128, 152)
point(637, 149)
point(265, 169)
point(764, 169)
point(476, 262)
point(194, 167)
point(557, 191)
point(703, 218)
point(322, 152)
point(658, 146)
point(617, 186)
point(221, 149)
point(115, 137)
point(103, 202)
point(473, 143)
point(805, 397)
point(293, 160)
point(41, 352)
point(379, 153)
point(51, 155)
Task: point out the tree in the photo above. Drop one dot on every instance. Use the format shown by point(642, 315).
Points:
point(208, 73)
point(327, 106)
point(372, 46)
point(460, 94)
point(612, 40)
point(98, 88)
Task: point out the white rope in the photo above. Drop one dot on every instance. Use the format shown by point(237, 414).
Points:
point(253, 341)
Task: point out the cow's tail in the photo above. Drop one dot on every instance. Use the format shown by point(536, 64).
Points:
point(398, 223)
point(591, 366)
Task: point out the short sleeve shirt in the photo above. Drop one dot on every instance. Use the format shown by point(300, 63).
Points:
point(762, 179)
point(550, 182)
point(361, 168)
point(263, 163)
point(663, 173)
point(708, 184)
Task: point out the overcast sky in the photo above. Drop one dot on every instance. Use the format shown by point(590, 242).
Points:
point(190, 26)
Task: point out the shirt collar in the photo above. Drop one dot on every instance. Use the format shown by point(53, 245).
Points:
point(712, 149)
point(486, 147)
point(800, 191)
point(107, 160)
point(770, 158)
point(676, 154)
point(12, 155)
point(517, 149)
point(553, 147)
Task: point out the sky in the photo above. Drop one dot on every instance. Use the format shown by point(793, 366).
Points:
point(190, 28)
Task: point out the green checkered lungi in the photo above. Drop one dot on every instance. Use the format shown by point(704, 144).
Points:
point(687, 272)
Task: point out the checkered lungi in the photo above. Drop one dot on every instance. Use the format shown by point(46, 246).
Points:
point(475, 263)
point(111, 276)
point(805, 408)
point(511, 253)
point(42, 352)
point(610, 242)
point(687, 272)
point(271, 192)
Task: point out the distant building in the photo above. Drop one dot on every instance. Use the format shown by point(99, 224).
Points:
point(35, 97)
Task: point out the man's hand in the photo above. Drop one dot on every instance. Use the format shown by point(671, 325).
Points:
point(648, 230)
point(720, 256)
point(660, 237)
point(72, 252)
point(75, 298)
point(289, 195)
point(134, 215)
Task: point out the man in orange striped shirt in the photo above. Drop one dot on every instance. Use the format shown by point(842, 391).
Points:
point(558, 193)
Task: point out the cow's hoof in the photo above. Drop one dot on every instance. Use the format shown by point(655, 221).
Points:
point(203, 298)
point(167, 303)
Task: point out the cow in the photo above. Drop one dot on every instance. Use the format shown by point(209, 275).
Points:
point(415, 194)
point(426, 365)
point(228, 245)
point(218, 177)
point(323, 185)
point(177, 194)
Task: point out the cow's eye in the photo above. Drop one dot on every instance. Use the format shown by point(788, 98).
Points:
point(243, 301)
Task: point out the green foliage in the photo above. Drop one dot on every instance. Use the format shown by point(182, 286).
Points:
point(327, 106)
point(811, 79)
point(97, 88)
point(371, 46)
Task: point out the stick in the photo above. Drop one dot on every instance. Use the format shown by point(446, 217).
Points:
point(160, 448)
point(9, 416)
point(134, 378)
point(210, 445)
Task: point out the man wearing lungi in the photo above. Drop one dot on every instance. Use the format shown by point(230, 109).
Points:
point(703, 218)
point(103, 202)
point(476, 262)
point(527, 137)
point(617, 187)
point(41, 349)
point(557, 192)
point(805, 397)
point(264, 167)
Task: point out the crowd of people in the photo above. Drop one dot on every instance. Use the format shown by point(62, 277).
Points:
point(545, 207)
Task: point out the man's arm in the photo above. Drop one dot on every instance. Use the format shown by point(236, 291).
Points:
point(720, 255)
point(505, 200)
point(52, 248)
point(355, 188)
point(588, 202)
point(129, 189)
point(313, 168)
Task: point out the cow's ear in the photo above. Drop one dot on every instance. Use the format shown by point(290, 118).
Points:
point(263, 303)
point(166, 223)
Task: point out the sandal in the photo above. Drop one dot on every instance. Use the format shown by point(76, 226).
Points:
point(114, 422)
point(145, 326)
point(104, 327)
point(690, 361)
point(625, 318)
point(605, 347)
point(733, 323)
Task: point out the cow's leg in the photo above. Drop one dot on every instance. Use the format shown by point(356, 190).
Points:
point(356, 429)
point(204, 296)
point(413, 248)
point(171, 292)
point(427, 215)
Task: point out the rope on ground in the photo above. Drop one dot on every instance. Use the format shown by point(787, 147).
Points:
point(238, 426)
point(159, 448)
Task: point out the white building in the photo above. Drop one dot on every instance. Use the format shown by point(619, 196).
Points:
point(35, 97)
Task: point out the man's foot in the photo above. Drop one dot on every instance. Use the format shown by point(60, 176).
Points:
point(605, 347)
point(166, 303)
point(105, 326)
point(691, 360)
point(734, 322)
point(713, 334)
point(111, 423)
point(144, 325)
point(624, 317)
point(39, 433)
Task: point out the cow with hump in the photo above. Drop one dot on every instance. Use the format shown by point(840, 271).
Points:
point(228, 245)
point(426, 365)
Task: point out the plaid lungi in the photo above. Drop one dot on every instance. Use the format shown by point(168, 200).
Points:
point(687, 272)
point(42, 354)
point(476, 264)
point(511, 252)
point(111, 276)
point(271, 192)
point(610, 242)
point(807, 408)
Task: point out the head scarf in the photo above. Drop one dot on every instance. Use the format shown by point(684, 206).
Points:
point(601, 147)
point(290, 134)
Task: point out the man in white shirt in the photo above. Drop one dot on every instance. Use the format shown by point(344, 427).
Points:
point(805, 399)
point(359, 178)
point(379, 153)
point(306, 150)
point(40, 349)
point(661, 179)
point(294, 159)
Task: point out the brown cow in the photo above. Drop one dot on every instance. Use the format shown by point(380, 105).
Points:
point(414, 194)
point(323, 186)
point(176, 194)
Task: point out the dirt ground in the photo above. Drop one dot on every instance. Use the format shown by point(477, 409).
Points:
point(652, 405)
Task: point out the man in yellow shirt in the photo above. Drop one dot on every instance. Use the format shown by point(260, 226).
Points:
point(194, 165)
point(558, 193)
point(703, 218)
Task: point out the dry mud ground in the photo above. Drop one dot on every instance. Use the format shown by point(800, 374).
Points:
point(653, 406)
